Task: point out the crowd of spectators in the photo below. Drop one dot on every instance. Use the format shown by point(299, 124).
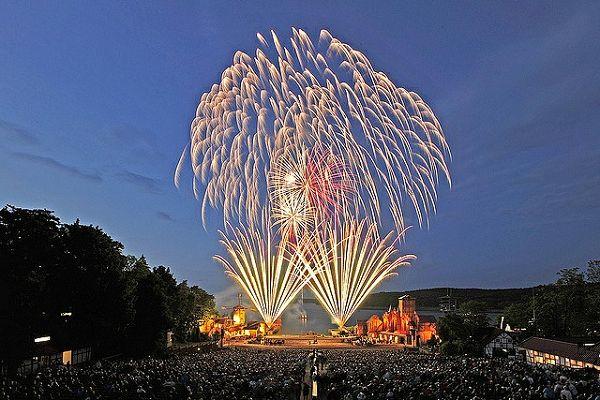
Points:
point(229, 373)
point(394, 374)
point(345, 374)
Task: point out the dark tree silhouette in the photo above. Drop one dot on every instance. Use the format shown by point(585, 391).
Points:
point(30, 249)
point(93, 284)
point(116, 303)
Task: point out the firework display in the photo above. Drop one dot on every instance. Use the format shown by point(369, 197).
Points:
point(307, 187)
point(269, 273)
point(307, 149)
point(350, 263)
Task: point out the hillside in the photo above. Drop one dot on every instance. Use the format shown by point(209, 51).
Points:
point(495, 299)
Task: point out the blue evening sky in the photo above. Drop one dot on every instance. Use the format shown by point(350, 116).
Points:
point(96, 99)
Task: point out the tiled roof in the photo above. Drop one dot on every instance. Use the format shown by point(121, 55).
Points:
point(487, 334)
point(563, 349)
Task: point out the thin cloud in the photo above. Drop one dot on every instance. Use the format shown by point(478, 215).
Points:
point(165, 216)
point(146, 183)
point(134, 144)
point(58, 166)
point(17, 133)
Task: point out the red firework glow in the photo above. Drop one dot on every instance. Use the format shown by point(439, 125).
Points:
point(309, 187)
point(329, 183)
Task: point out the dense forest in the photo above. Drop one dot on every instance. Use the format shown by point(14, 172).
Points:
point(73, 282)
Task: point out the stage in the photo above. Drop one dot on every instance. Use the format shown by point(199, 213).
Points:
point(309, 342)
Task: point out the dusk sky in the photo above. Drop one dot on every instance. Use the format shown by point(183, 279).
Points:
point(96, 100)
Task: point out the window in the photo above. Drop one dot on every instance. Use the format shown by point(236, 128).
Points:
point(81, 355)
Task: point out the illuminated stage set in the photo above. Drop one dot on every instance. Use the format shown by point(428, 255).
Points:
point(399, 325)
point(313, 157)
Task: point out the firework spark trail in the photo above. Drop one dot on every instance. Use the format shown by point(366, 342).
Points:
point(307, 187)
point(350, 262)
point(299, 143)
point(302, 98)
point(270, 273)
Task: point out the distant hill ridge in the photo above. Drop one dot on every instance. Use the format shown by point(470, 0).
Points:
point(495, 299)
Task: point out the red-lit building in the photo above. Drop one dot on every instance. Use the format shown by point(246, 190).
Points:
point(400, 325)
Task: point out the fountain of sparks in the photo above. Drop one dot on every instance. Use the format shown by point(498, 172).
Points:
point(328, 146)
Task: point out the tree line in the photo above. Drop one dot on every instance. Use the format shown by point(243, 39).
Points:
point(494, 299)
point(568, 309)
point(73, 282)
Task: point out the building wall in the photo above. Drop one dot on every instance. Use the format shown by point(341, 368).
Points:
point(374, 324)
point(502, 341)
point(407, 305)
point(427, 331)
point(362, 328)
point(536, 357)
point(67, 357)
point(400, 325)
